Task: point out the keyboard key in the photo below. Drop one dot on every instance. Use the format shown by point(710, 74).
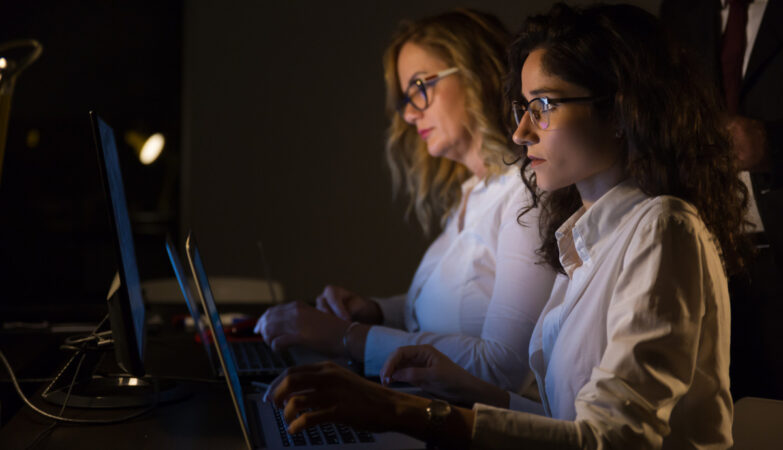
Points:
point(281, 428)
point(330, 433)
point(314, 436)
point(365, 436)
point(298, 439)
point(346, 434)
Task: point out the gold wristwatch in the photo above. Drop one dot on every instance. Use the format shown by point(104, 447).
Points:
point(437, 413)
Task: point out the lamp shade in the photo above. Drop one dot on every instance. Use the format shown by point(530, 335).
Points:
point(147, 147)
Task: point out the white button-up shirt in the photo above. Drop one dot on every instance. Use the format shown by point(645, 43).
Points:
point(478, 291)
point(632, 349)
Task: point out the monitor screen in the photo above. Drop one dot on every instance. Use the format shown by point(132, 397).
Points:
point(126, 306)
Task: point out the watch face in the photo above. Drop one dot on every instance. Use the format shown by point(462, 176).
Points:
point(440, 408)
point(437, 411)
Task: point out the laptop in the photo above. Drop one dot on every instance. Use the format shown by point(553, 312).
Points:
point(254, 358)
point(263, 426)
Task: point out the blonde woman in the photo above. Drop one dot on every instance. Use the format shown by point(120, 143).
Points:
point(478, 290)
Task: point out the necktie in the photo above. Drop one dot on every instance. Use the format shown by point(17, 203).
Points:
point(733, 52)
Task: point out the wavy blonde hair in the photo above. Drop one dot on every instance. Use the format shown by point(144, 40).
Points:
point(475, 43)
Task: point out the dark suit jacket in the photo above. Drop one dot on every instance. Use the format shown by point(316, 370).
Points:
point(757, 298)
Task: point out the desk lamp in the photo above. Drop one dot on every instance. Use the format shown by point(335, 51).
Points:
point(15, 56)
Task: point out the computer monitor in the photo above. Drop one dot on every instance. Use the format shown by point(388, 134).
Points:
point(126, 306)
point(77, 384)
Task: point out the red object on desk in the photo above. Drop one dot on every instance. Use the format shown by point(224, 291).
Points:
point(238, 332)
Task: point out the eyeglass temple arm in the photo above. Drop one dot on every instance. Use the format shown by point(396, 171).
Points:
point(578, 99)
point(442, 73)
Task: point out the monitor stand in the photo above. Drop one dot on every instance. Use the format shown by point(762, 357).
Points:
point(91, 390)
point(78, 384)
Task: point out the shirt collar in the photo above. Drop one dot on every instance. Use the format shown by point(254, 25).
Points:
point(578, 235)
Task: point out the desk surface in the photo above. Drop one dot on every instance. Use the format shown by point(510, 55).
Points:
point(206, 419)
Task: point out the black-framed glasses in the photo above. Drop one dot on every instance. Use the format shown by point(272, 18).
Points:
point(416, 93)
point(540, 109)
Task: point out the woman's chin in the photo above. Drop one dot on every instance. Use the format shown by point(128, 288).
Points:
point(435, 151)
point(441, 151)
point(548, 185)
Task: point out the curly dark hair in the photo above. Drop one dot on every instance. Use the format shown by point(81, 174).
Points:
point(670, 120)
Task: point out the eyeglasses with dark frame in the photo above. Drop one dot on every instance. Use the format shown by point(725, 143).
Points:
point(416, 93)
point(541, 107)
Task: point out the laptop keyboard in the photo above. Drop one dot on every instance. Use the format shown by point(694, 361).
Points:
point(324, 434)
point(256, 356)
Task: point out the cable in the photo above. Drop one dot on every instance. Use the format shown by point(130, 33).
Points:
point(51, 426)
point(91, 337)
point(185, 379)
point(100, 324)
point(28, 380)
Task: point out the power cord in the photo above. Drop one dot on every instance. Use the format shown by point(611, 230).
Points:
point(28, 380)
point(51, 426)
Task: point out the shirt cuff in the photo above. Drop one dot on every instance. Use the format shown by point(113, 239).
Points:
point(502, 428)
point(380, 344)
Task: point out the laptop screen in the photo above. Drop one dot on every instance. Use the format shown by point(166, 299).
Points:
point(193, 308)
point(224, 350)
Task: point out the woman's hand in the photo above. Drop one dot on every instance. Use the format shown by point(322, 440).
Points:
point(427, 368)
point(348, 305)
point(328, 393)
point(296, 323)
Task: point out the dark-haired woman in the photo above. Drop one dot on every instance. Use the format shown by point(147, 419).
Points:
point(642, 207)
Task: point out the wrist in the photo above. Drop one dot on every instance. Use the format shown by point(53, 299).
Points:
point(344, 348)
point(409, 416)
point(354, 341)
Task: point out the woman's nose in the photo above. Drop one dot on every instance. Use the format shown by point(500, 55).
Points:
point(525, 134)
point(411, 114)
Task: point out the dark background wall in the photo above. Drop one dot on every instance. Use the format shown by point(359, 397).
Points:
point(275, 118)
